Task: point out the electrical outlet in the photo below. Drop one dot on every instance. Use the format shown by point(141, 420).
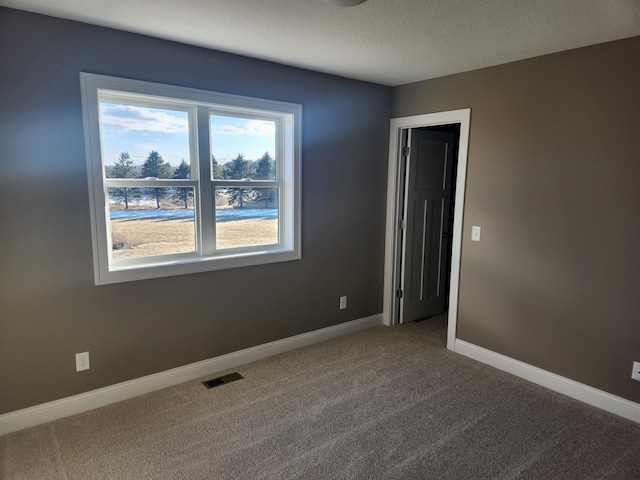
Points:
point(82, 361)
point(343, 303)
point(635, 373)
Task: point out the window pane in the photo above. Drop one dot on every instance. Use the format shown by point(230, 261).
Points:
point(242, 148)
point(247, 216)
point(151, 221)
point(140, 142)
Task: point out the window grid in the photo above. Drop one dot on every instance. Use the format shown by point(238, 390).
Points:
point(199, 106)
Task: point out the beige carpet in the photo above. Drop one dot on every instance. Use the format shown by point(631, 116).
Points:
point(385, 403)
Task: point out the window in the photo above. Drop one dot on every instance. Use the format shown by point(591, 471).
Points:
point(184, 180)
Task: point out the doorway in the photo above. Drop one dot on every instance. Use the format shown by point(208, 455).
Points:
point(429, 160)
point(424, 216)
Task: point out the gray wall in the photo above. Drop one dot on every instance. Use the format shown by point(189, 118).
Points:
point(49, 306)
point(554, 181)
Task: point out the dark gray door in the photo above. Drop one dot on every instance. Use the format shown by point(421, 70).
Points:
point(428, 214)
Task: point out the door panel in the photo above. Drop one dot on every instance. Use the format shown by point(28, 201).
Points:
point(430, 174)
point(427, 223)
point(428, 210)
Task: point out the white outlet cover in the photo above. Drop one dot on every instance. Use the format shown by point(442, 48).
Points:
point(82, 361)
point(635, 374)
point(343, 303)
point(475, 234)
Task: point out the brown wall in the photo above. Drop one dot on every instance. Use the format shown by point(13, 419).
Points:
point(49, 306)
point(554, 180)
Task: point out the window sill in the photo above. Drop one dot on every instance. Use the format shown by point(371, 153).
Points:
point(184, 266)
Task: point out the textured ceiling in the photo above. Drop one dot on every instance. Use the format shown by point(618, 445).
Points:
point(391, 42)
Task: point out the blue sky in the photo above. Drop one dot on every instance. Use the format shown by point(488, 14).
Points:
point(139, 130)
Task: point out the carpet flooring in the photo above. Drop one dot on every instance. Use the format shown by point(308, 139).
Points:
point(384, 403)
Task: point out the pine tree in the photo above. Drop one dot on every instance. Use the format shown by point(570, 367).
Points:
point(238, 169)
point(183, 171)
point(240, 196)
point(216, 169)
point(123, 167)
point(265, 170)
point(265, 194)
point(155, 167)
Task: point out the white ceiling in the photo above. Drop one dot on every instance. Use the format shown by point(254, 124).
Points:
point(391, 42)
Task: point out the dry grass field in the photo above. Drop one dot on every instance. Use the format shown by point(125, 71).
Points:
point(157, 236)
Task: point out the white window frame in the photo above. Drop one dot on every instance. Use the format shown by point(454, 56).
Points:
point(201, 104)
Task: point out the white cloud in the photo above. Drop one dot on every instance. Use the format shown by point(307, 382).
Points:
point(129, 117)
point(229, 130)
point(261, 128)
point(147, 146)
point(257, 128)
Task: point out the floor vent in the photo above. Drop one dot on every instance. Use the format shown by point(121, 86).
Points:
point(216, 382)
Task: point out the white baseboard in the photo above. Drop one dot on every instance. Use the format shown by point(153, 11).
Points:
point(579, 391)
point(29, 417)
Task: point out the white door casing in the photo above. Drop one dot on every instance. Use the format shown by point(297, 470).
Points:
point(394, 182)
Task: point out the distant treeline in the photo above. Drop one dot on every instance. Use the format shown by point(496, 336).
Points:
point(156, 167)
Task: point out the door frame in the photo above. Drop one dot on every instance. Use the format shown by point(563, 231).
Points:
point(395, 184)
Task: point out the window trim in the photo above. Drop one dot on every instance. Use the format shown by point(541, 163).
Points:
point(203, 103)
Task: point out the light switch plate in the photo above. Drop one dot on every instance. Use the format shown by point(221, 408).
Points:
point(475, 234)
